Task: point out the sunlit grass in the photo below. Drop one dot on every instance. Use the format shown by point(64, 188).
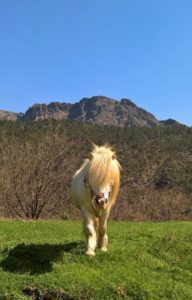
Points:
point(144, 261)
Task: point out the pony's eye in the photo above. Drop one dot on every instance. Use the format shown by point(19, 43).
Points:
point(90, 156)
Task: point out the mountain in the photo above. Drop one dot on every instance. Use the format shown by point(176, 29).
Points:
point(98, 109)
point(169, 122)
point(10, 116)
point(107, 111)
point(54, 110)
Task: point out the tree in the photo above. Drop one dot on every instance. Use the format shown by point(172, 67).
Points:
point(34, 172)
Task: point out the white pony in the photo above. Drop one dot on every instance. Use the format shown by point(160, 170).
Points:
point(94, 191)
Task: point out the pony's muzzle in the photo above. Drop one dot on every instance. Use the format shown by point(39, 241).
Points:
point(100, 200)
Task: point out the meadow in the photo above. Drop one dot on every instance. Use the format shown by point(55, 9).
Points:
point(45, 260)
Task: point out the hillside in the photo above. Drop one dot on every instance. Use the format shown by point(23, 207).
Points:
point(45, 261)
point(54, 110)
point(9, 116)
point(38, 160)
point(98, 109)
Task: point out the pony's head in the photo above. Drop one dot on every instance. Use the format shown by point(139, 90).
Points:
point(103, 175)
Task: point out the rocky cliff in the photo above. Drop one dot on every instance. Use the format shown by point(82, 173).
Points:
point(10, 116)
point(98, 109)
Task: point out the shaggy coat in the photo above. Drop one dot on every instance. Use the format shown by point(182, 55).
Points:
point(94, 191)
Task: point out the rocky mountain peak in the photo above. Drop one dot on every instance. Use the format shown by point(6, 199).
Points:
point(125, 101)
point(9, 116)
point(97, 109)
point(169, 122)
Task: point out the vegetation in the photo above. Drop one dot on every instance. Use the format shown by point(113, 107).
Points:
point(45, 260)
point(38, 160)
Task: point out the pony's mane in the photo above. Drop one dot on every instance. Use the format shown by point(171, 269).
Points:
point(103, 167)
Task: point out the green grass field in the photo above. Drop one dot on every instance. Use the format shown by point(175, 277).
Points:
point(46, 259)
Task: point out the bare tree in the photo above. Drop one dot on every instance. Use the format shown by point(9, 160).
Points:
point(34, 174)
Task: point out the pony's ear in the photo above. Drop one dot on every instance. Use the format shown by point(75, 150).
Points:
point(114, 156)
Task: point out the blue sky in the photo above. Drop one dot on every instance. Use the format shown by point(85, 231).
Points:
point(63, 50)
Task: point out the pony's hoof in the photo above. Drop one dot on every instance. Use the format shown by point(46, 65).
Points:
point(90, 253)
point(104, 249)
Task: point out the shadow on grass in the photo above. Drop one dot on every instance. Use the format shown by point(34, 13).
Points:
point(37, 259)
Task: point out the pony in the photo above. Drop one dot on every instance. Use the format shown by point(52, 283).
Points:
point(94, 191)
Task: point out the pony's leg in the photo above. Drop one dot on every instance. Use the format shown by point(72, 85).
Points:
point(96, 226)
point(90, 233)
point(102, 232)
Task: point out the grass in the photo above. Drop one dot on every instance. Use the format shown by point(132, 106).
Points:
point(45, 260)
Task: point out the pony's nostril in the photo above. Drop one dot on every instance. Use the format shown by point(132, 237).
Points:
point(106, 200)
point(97, 200)
point(101, 195)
